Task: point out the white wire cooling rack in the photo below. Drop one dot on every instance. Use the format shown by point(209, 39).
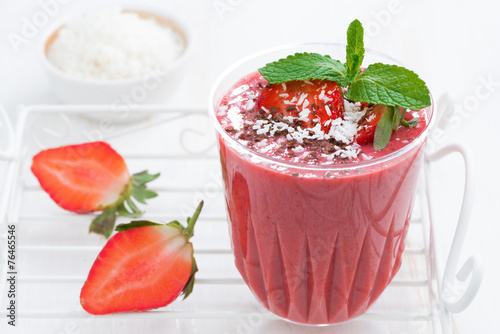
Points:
point(54, 250)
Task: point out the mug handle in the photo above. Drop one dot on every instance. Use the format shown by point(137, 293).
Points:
point(473, 266)
point(8, 152)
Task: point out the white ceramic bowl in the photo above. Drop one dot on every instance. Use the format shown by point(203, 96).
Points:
point(150, 89)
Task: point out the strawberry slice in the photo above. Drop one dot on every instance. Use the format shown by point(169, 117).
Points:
point(92, 177)
point(144, 266)
point(310, 102)
point(367, 126)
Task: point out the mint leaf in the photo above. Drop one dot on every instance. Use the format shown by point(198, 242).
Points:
point(304, 66)
point(383, 131)
point(411, 123)
point(396, 118)
point(355, 50)
point(390, 85)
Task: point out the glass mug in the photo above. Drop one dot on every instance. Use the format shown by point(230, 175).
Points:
point(315, 244)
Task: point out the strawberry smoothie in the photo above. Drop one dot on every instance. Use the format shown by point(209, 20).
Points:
point(316, 235)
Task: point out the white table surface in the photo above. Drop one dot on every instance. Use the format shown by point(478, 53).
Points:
point(453, 45)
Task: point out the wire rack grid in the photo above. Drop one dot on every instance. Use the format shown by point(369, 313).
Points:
point(54, 250)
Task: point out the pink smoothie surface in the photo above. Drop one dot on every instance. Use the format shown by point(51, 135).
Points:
point(315, 245)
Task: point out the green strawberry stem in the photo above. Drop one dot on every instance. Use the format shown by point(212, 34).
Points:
point(104, 223)
point(125, 206)
point(188, 288)
point(188, 231)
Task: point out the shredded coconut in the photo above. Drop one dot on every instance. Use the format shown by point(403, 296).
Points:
point(321, 95)
point(250, 105)
point(298, 149)
point(221, 111)
point(328, 111)
point(239, 90)
point(301, 99)
point(111, 45)
point(305, 104)
point(304, 115)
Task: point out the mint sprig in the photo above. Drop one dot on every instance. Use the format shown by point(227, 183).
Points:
point(390, 85)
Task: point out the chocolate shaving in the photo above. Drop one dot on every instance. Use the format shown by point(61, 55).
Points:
point(231, 131)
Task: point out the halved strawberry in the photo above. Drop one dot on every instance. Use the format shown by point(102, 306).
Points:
point(310, 102)
point(367, 126)
point(145, 266)
point(92, 177)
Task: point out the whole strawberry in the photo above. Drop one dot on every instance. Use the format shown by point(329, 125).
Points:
point(92, 177)
point(144, 266)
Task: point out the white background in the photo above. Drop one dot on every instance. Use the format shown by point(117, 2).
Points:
point(452, 45)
